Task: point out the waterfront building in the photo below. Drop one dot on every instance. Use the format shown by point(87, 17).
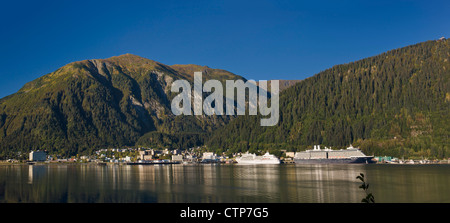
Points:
point(208, 155)
point(38, 156)
point(177, 158)
point(147, 154)
point(290, 154)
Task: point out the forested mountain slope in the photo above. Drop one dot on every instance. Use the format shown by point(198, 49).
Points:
point(396, 103)
point(102, 103)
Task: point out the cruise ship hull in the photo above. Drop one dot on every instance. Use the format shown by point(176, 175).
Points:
point(356, 160)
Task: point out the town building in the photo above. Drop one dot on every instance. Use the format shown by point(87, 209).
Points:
point(146, 155)
point(290, 154)
point(38, 156)
point(178, 158)
point(209, 155)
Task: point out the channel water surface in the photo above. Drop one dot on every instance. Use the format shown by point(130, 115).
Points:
point(87, 183)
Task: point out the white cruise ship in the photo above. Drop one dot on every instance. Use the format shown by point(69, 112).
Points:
point(251, 158)
point(327, 155)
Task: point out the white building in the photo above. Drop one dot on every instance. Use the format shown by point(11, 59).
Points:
point(177, 158)
point(209, 155)
point(38, 156)
point(290, 154)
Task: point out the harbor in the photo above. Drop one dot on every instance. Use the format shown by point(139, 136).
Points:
point(148, 156)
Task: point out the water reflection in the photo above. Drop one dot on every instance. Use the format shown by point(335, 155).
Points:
point(34, 172)
point(411, 183)
point(328, 183)
point(221, 183)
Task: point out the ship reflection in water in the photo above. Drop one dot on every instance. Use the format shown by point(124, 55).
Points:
point(309, 183)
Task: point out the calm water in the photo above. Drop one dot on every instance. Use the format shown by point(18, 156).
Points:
point(222, 183)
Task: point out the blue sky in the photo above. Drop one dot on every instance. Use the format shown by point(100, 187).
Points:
point(256, 39)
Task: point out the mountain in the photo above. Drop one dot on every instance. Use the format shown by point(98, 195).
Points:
point(101, 103)
point(285, 84)
point(396, 103)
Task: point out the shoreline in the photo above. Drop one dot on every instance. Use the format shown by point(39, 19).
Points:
point(6, 163)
